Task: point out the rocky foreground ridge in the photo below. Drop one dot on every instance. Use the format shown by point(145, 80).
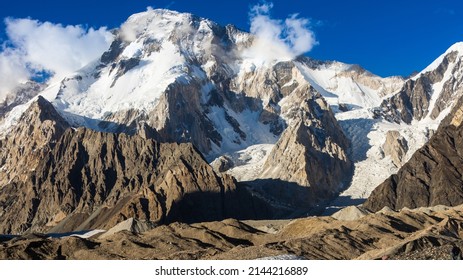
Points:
point(424, 233)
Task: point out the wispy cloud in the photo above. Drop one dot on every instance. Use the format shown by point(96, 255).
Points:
point(35, 46)
point(278, 39)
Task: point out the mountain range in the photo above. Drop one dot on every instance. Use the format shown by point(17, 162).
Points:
point(182, 120)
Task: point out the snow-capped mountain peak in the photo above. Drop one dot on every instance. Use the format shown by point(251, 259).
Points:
point(155, 24)
point(153, 50)
point(457, 47)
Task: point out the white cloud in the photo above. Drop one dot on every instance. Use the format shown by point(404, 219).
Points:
point(12, 71)
point(35, 46)
point(276, 39)
point(300, 38)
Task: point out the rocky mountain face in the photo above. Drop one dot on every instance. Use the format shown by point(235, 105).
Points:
point(28, 143)
point(428, 93)
point(396, 147)
point(386, 134)
point(66, 179)
point(433, 174)
point(304, 149)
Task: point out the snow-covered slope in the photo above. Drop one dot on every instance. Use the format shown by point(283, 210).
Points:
point(93, 96)
point(153, 50)
point(349, 85)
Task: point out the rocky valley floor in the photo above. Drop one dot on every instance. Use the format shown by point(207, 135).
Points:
point(352, 233)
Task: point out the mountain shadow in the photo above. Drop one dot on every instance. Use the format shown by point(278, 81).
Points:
point(286, 200)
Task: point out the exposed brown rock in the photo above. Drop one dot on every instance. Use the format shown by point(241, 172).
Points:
point(86, 179)
point(419, 234)
point(309, 162)
point(222, 164)
point(396, 147)
point(412, 101)
point(38, 129)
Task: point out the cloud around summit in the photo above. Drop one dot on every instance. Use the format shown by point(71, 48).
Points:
point(33, 47)
point(278, 39)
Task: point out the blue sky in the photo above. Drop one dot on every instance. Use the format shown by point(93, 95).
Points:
point(386, 37)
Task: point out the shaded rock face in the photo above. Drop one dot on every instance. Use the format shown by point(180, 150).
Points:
point(179, 117)
point(432, 176)
point(451, 88)
point(396, 147)
point(87, 179)
point(412, 102)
